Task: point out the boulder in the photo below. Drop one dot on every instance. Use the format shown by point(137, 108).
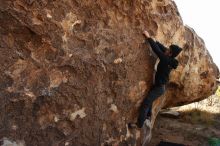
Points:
point(74, 72)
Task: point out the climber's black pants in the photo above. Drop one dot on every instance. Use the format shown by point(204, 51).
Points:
point(146, 105)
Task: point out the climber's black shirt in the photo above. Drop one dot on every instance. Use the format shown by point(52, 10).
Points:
point(165, 65)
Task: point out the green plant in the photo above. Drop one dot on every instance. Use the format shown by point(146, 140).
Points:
point(214, 141)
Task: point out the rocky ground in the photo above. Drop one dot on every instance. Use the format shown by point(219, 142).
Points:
point(196, 124)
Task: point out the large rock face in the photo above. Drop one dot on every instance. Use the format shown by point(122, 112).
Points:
point(74, 72)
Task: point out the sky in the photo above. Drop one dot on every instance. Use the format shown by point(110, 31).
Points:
point(204, 17)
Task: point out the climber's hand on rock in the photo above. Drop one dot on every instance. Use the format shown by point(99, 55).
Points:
point(146, 34)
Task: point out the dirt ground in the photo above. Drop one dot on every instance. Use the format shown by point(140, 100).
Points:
point(196, 124)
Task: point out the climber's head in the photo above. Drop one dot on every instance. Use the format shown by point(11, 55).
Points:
point(175, 50)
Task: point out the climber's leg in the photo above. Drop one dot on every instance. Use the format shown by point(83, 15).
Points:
point(146, 105)
point(150, 111)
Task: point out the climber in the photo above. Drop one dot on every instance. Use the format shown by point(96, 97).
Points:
point(164, 67)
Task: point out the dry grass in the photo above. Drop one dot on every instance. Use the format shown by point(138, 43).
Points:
point(196, 116)
point(218, 92)
point(203, 112)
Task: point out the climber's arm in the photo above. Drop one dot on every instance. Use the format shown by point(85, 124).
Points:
point(161, 46)
point(155, 47)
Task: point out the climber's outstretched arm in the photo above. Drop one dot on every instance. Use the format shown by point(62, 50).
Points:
point(155, 47)
point(161, 46)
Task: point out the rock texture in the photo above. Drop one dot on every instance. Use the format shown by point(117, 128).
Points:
point(73, 72)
